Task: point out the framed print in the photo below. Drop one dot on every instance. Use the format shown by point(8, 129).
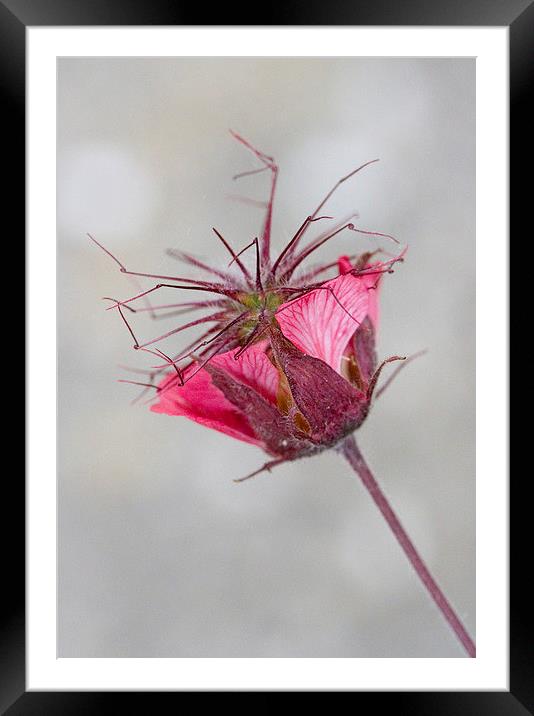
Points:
point(254, 251)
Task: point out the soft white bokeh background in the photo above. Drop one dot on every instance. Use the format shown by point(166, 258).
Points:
point(160, 553)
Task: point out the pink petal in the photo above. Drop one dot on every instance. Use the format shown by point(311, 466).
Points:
point(252, 368)
point(344, 265)
point(201, 401)
point(371, 281)
point(319, 325)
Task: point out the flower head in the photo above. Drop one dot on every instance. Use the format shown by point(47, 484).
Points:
point(288, 362)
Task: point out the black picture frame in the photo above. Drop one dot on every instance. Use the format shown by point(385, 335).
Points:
point(15, 16)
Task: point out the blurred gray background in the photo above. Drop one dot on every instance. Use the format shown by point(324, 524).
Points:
point(160, 553)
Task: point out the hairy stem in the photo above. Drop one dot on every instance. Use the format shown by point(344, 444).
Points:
point(352, 453)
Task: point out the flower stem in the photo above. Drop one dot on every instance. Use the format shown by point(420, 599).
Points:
point(352, 453)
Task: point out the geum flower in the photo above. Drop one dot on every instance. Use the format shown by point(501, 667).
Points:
point(289, 363)
point(305, 388)
point(245, 300)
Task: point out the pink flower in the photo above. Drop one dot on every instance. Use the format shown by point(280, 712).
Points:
point(288, 362)
point(305, 388)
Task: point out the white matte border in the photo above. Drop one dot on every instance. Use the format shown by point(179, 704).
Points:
point(489, 671)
